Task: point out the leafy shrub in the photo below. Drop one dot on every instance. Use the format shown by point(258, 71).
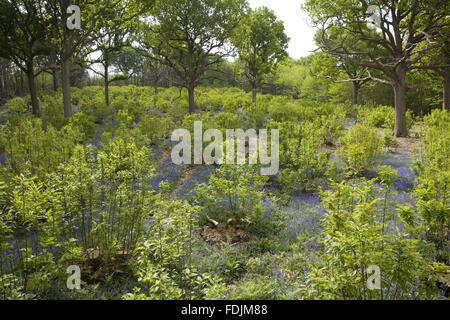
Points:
point(358, 148)
point(233, 191)
point(307, 165)
point(437, 118)
point(17, 105)
point(299, 143)
point(389, 141)
point(119, 178)
point(163, 261)
point(432, 187)
point(263, 288)
point(96, 107)
point(284, 112)
point(31, 149)
point(382, 116)
point(355, 238)
point(255, 115)
point(156, 128)
point(85, 124)
point(52, 111)
point(227, 121)
point(432, 194)
point(162, 104)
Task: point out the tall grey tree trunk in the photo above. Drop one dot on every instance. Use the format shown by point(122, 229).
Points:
point(254, 95)
point(191, 90)
point(22, 86)
point(400, 129)
point(356, 87)
point(4, 78)
point(65, 84)
point(106, 84)
point(55, 79)
point(33, 92)
point(53, 61)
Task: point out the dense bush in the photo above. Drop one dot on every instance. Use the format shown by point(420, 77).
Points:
point(358, 148)
point(233, 191)
point(382, 117)
point(432, 189)
point(355, 239)
point(163, 261)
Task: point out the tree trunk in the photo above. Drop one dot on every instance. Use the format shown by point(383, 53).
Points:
point(53, 60)
point(155, 85)
point(106, 84)
point(32, 88)
point(16, 84)
point(6, 80)
point(191, 99)
point(2, 77)
point(400, 129)
point(446, 91)
point(356, 87)
point(65, 83)
point(22, 87)
point(55, 79)
point(254, 94)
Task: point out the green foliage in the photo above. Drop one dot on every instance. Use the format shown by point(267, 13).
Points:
point(33, 150)
point(262, 288)
point(156, 128)
point(382, 117)
point(437, 118)
point(52, 111)
point(61, 198)
point(233, 191)
point(119, 178)
point(95, 106)
point(358, 148)
point(389, 141)
point(300, 150)
point(17, 105)
point(226, 120)
point(432, 188)
point(355, 238)
point(432, 196)
point(85, 124)
point(163, 261)
point(255, 115)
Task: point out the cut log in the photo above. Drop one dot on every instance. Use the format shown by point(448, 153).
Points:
point(213, 222)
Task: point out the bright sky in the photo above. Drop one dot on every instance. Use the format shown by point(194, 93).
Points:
point(295, 24)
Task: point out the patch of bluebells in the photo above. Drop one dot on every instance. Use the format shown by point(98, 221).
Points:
point(98, 137)
point(303, 217)
point(349, 124)
point(200, 175)
point(405, 179)
point(395, 161)
point(167, 171)
point(405, 175)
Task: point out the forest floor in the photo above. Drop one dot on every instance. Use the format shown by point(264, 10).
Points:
point(408, 145)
